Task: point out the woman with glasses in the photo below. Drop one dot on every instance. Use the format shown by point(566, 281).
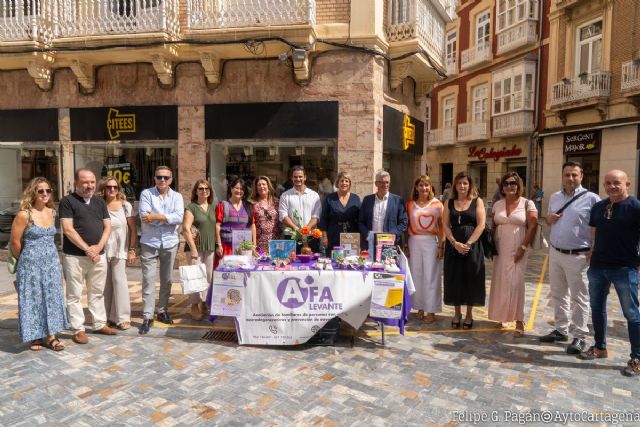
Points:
point(514, 226)
point(119, 250)
point(463, 221)
point(233, 214)
point(265, 206)
point(199, 230)
point(41, 309)
point(339, 214)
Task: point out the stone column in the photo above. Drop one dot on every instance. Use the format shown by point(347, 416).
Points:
point(66, 153)
point(192, 150)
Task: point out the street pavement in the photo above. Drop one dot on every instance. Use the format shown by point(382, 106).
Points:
point(431, 375)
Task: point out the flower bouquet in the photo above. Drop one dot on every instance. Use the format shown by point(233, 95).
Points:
point(303, 234)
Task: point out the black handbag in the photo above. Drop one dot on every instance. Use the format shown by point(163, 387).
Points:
point(488, 244)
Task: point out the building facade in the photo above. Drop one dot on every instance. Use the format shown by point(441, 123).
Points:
point(485, 115)
point(593, 108)
point(215, 89)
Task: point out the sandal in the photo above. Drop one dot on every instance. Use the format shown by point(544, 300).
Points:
point(54, 344)
point(519, 332)
point(429, 318)
point(124, 326)
point(455, 322)
point(36, 345)
point(468, 325)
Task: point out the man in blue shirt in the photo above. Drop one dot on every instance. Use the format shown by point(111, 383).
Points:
point(161, 212)
point(615, 222)
point(570, 243)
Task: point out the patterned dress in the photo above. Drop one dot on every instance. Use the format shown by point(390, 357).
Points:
point(41, 310)
point(267, 224)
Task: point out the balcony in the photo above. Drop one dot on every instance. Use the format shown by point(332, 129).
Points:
point(475, 55)
point(26, 21)
point(451, 66)
point(211, 14)
point(512, 124)
point(425, 24)
point(630, 76)
point(516, 37)
point(82, 18)
point(442, 137)
point(581, 91)
point(473, 131)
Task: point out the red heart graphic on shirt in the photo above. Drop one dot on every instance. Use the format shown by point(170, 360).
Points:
point(428, 219)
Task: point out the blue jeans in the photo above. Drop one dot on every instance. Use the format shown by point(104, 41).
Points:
point(625, 281)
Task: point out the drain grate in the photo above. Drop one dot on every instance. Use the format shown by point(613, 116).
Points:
point(225, 336)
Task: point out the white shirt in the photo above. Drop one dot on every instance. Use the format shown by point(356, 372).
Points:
point(379, 213)
point(572, 230)
point(306, 203)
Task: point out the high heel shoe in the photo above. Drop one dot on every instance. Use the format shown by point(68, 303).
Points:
point(456, 324)
point(466, 325)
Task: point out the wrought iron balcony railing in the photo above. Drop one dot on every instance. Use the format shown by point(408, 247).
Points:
point(630, 75)
point(584, 87)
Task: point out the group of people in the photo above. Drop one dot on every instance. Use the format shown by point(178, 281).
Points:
point(100, 238)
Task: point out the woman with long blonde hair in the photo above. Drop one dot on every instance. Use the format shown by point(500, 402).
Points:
point(41, 309)
point(120, 249)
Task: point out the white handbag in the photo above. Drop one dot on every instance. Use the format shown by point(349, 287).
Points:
point(193, 278)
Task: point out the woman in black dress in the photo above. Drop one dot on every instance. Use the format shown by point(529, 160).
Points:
point(340, 212)
point(464, 220)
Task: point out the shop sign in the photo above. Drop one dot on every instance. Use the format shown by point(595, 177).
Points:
point(145, 123)
point(118, 123)
point(29, 125)
point(581, 142)
point(484, 154)
point(408, 133)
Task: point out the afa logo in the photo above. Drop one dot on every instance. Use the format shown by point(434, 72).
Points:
point(293, 292)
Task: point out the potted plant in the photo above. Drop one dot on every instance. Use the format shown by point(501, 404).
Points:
point(246, 248)
point(583, 76)
point(303, 234)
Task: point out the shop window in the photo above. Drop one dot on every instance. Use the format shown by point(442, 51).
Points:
point(589, 49)
point(250, 159)
point(513, 89)
point(513, 12)
point(132, 165)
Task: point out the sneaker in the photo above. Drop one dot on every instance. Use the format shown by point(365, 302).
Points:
point(594, 353)
point(577, 346)
point(633, 368)
point(554, 336)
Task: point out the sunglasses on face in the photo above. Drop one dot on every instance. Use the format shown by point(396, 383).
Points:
point(203, 189)
point(111, 187)
point(163, 177)
point(43, 190)
point(510, 184)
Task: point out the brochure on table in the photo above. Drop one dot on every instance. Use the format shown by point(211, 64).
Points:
point(350, 242)
point(387, 295)
point(239, 236)
point(281, 248)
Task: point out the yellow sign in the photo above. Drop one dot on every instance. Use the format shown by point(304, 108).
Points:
point(408, 133)
point(120, 123)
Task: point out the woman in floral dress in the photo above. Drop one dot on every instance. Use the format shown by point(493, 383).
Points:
point(41, 310)
point(265, 210)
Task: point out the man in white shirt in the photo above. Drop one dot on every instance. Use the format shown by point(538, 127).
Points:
point(300, 206)
point(570, 245)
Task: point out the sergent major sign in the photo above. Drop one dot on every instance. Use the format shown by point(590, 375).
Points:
point(120, 123)
point(483, 153)
point(408, 133)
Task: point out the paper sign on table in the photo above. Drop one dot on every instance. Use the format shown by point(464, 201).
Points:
point(227, 293)
point(387, 295)
point(351, 243)
point(281, 248)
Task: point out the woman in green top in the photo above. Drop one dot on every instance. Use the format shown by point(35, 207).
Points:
point(199, 230)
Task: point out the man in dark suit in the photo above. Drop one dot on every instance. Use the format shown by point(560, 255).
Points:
point(382, 212)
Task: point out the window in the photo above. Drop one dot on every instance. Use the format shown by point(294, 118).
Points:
point(589, 49)
point(400, 11)
point(449, 112)
point(513, 12)
point(483, 28)
point(480, 102)
point(513, 88)
point(452, 42)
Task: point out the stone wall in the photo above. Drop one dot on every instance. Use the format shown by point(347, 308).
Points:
point(333, 11)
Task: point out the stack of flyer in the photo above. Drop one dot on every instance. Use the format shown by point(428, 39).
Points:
point(376, 243)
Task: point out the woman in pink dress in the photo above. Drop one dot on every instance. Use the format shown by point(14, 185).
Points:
point(514, 225)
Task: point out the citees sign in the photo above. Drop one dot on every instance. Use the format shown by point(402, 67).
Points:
point(581, 142)
point(484, 154)
point(142, 123)
point(408, 133)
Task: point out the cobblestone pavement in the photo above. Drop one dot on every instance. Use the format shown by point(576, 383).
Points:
point(430, 375)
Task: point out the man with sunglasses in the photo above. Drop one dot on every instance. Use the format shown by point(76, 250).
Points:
point(161, 213)
point(615, 223)
point(568, 216)
point(86, 226)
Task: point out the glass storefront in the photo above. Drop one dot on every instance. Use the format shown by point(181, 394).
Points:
point(229, 159)
point(132, 164)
